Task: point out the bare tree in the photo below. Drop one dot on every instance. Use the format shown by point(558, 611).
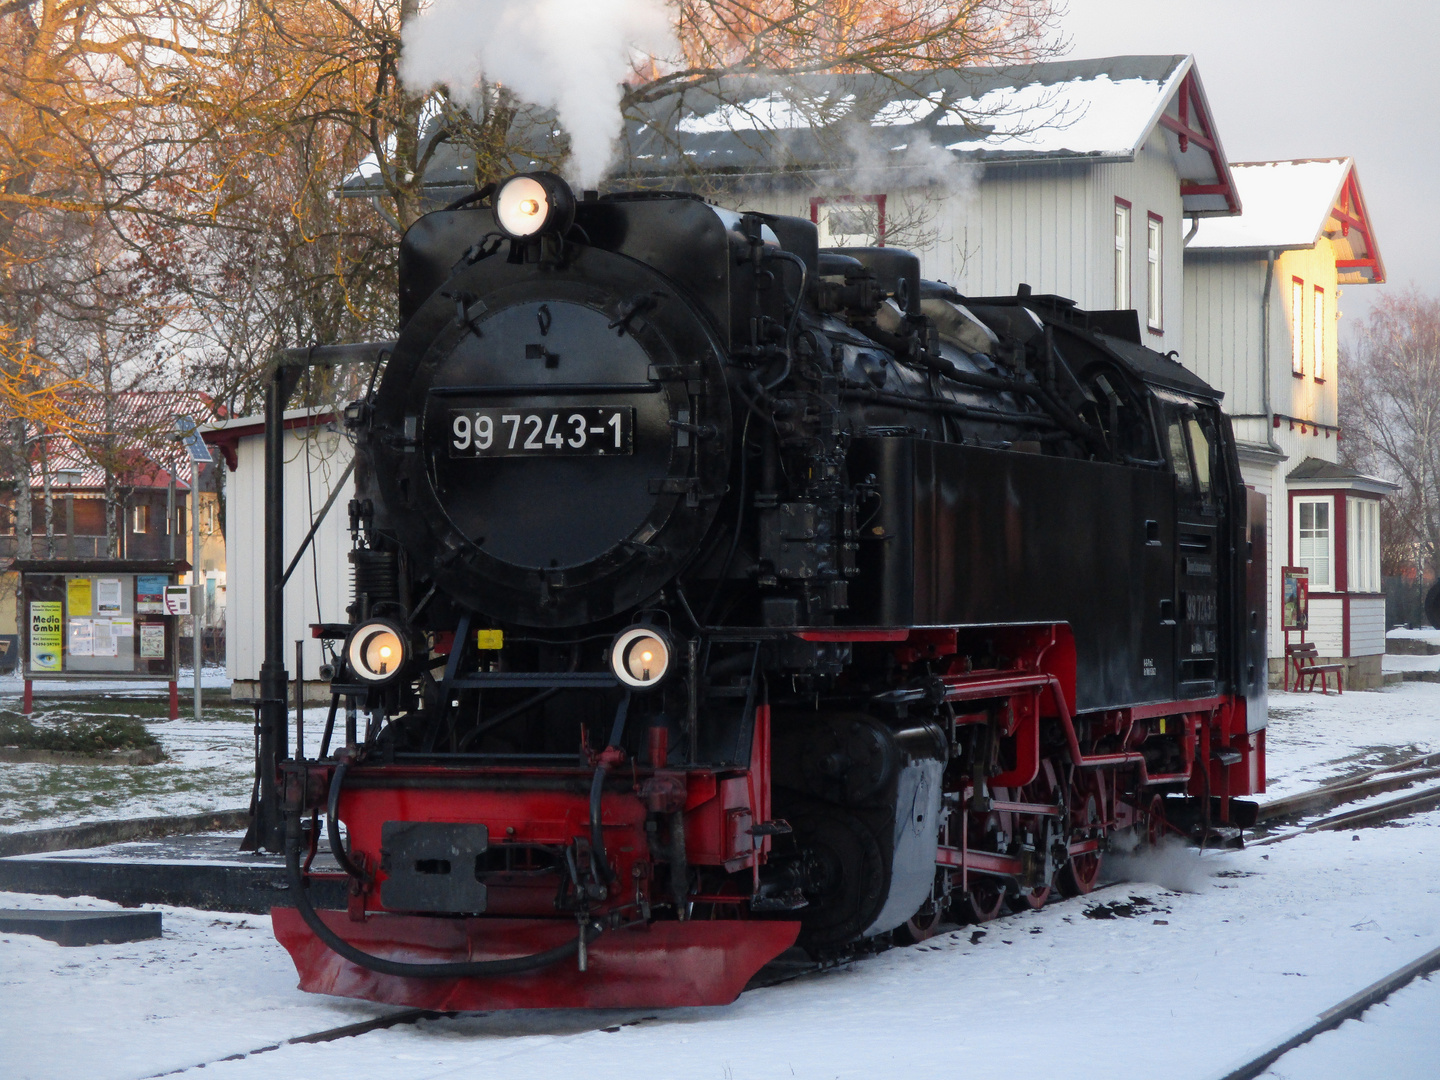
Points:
point(1391, 415)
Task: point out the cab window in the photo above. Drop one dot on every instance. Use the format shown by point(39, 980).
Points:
point(1200, 444)
point(1180, 453)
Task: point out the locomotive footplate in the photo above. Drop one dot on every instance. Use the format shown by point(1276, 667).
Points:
point(432, 866)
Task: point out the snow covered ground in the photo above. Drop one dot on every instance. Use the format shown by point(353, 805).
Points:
point(1176, 984)
point(1313, 738)
point(1180, 984)
point(210, 765)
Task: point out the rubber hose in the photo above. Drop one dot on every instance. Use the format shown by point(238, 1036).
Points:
point(597, 833)
point(448, 970)
point(332, 825)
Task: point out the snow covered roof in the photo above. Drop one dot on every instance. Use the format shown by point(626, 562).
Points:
point(1292, 204)
point(1318, 473)
point(1092, 110)
point(143, 450)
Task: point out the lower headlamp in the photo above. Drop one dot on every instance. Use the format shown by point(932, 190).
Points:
point(641, 657)
point(377, 651)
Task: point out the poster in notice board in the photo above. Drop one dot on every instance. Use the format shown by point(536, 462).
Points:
point(152, 641)
point(1294, 597)
point(150, 593)
point(77, 597)
point(47, 629)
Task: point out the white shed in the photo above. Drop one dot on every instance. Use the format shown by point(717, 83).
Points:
point(317, 455)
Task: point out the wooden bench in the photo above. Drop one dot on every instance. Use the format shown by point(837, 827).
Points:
point(1305, 657)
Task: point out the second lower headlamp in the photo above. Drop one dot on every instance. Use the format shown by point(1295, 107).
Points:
point(377, 651)
point(641, 657)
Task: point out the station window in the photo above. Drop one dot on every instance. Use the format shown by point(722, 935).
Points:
point(1297, 326)
point(1154, 281)
point(1122, 254)
point(849, 220)
point(140, 519)
point(1315, 540)
point(1317, 336)
point(1362, 535)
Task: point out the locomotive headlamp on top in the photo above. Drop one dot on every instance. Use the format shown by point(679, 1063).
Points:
point(377, 651)
point(641, 657)
point(532, 204)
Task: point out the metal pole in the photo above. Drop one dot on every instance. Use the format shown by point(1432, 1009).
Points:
point(274, 726)
point(170, 511)
point(300, 700)
point(197, 592)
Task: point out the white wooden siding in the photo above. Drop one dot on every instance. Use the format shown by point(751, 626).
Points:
point(1224, 329)
point(1049, 225)
point(1327, 627)
point(1289, 394)
point(1367, 626)
point(324, 566)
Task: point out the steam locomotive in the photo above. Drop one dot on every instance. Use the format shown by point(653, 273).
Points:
point(715, 593)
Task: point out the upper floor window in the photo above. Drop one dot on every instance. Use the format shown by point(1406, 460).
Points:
point(1317, 336)
point(850, 220)
point(1154, 238)
point(1362, 536)
point(1122, 254)
point(140, 519)
point(1315, 540)
point(1297, 326)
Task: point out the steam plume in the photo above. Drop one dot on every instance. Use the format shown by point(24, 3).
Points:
point(569, 55)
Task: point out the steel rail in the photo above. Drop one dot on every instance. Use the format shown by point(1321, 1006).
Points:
point(1372, 781)
point(1365, 815)
point(1349, 1009)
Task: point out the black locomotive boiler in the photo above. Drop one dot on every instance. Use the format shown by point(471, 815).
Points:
point(716, 593)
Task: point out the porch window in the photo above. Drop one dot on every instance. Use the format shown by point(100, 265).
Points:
point(1122, 254)
point(1315, 540)
point(1362, 534)
point(1154, 238)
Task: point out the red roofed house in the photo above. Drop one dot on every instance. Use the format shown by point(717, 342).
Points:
point(1262, 297)
point(141, 463)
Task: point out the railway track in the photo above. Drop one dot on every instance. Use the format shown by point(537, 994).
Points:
point(1349, 1009)
point(1291, 808)
point(1388, 778)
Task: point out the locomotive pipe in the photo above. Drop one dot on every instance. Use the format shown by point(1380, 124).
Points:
point(384, 966)
point(597, 789)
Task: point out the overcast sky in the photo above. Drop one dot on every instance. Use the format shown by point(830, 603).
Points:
point(1319, 78)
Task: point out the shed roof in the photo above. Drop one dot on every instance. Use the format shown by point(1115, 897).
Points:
point(1290, 205)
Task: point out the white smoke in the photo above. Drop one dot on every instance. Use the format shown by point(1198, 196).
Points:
point(1173, 865)
point(569, 55)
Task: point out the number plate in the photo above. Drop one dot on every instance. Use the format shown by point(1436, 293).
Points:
point(574, 432)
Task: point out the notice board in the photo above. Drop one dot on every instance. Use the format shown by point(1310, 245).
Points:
point(95, 621)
